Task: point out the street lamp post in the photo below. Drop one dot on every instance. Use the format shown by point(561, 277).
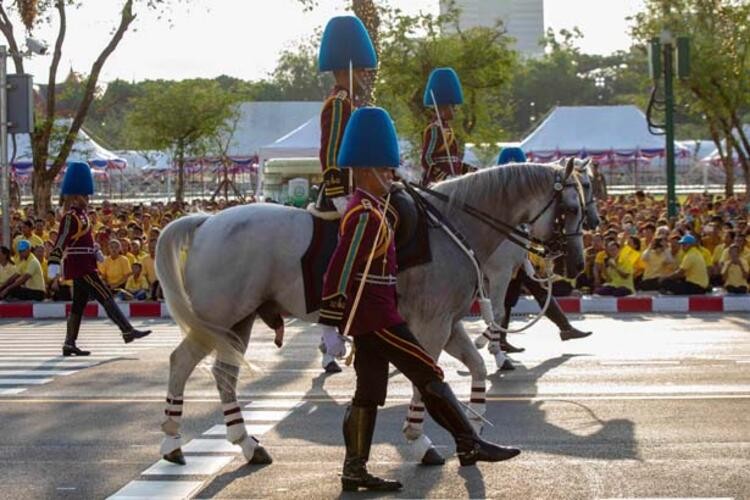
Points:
point(4, 167)
point(667, 45)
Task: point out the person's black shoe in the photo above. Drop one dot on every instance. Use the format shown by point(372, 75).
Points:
point(71, 350)
point(510, 348)
point(134, 334)
point(573, 333)
point(354, 480)
point(476, 449)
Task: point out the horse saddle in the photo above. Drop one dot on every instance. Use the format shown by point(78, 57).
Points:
point(412, 243)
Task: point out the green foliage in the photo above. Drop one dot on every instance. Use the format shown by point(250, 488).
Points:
point(412, 46)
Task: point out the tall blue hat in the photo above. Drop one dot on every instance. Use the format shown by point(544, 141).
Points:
point(511, 155)
point(446, 87)
point(346, 39)
point(78, 179)
point(369, 140)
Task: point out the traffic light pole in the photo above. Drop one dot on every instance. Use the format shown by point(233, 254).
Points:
point(667, 46)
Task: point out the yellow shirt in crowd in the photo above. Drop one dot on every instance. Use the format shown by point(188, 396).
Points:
point(694, 266)
point(735, 276)
point(6, 272)
point(135, 284)
point(149, 269)
point(31, 267)
point(656, 264)
point(114, 271)
point(615, 279)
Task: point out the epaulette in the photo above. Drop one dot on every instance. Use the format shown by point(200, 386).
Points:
point(341, 94)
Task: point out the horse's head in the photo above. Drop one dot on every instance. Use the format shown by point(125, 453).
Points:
point(583, 169)
point(561, 221)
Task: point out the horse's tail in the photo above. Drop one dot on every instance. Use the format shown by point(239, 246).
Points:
point(173, 242)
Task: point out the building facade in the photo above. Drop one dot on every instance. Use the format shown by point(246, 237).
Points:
point(523, 20)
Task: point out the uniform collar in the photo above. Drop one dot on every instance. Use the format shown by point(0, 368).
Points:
point(375, 199)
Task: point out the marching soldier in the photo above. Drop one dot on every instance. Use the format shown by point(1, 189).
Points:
point(75, 250)
point(347, 51)
point(441, 157)
point(359, 299)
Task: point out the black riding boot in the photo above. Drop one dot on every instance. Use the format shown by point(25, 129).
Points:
point(129, 333)
point(359, 425)
point(445, 409)
point(71, 335)
point(567, 331)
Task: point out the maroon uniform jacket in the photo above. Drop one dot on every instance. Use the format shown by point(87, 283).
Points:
point(439, 162)
point(333, 119)
point(359, 229)
point(75, 245)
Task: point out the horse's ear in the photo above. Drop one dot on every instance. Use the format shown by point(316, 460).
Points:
point(562, 161)
point(570, 166)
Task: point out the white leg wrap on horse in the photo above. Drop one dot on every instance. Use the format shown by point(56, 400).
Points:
point(248, 446)
point(416, 448)
point(173, 415)
point(327, 358)
point(236, 431)
point(169, 444)
point(414, 422)
point(483, 339)
point(500, 358)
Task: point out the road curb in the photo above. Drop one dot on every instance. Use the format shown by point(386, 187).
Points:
point(526, 305)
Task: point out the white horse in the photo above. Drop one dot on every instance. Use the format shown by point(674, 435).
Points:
point(215, 304)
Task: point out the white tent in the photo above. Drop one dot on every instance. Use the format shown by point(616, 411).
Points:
point(609, 134)
point(714, 156)
point(302, 142)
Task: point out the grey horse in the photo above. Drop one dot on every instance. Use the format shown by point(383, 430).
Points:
point(215, 305)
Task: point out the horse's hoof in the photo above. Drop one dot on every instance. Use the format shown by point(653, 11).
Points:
point(260, 457)
point(432, 457)
point(333, 367)
point(176, 457)
point(507, 366)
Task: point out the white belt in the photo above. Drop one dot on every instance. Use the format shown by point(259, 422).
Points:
point(375, 279)
point(79, 251)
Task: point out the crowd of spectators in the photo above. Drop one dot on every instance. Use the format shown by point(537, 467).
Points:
point(635, 248)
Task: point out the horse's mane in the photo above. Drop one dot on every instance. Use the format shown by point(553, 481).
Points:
point(511, 183)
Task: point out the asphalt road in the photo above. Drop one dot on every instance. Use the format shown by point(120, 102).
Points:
point(649, 406)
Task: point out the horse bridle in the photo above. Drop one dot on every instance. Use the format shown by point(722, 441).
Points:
point(520, 237)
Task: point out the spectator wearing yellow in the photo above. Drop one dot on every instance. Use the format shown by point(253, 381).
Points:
point(127, 251)
point(692, 276)
point(617, 273)
point(137, 286)
point(735, 271)
point(41, 255)
point(657, 261)
point(29, 282)
point(116, 268)
point(40, 230)
point(27, 233)
point(8, 271)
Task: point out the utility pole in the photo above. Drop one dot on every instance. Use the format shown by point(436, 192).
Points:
point(667, 44)
point(4, 167)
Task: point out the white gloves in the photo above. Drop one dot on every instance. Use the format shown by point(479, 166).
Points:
point(53, 270)
point(529, 268)
point(340, 203)
point(335, 345)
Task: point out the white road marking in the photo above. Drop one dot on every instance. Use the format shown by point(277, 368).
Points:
point(29, 373)
point(287, 404)
point(639, 362)
point(45, 364)
point(196, 466)
point(13, 391)
point(158, 489)
point(252, 429)
point(264, 416)
point(24, 381)
point(211, 446)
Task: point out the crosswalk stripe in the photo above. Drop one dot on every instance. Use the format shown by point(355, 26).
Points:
point(31, 373)
point(196, 466)
point(158, 489)
point(252, 429)
point(24, 381)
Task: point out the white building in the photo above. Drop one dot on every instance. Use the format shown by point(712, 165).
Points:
point(523, 19)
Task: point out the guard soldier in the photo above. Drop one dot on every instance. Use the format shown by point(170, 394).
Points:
point(75, 249)
point(441, 156)
point(347, 51)
point(359, 299)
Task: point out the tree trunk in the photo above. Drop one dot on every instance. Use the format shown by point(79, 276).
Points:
point(726, 159)
point(41, 188)
point(179, 193)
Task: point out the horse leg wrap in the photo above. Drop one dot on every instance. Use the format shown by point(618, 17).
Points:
point(170, 444)
point(236, 431)
point(483, 339)
point(478, 404)
point(414, 422)
point(416, 448)
point(494, 337)
point(173, 416)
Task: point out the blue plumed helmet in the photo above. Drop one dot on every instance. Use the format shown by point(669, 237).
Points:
point(346, 39)
point(446, 86)
point(78, 179)
point(511, 155)
point(369, 140)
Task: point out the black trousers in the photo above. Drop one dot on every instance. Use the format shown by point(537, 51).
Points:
point(22, 293)
point(91, 285)
point(737, 289)
point(649, 285)
point(396, 346)
point(681, 287)
point(521, 281)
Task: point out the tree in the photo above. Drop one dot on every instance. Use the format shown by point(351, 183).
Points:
point(412, 46)
point(181, 117)
point(47, 163)
point(718, 87)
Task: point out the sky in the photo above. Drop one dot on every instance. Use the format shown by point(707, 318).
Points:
point(243, 38)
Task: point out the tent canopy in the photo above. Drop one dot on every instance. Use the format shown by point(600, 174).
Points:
point(607, 133)
point(302, 142)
